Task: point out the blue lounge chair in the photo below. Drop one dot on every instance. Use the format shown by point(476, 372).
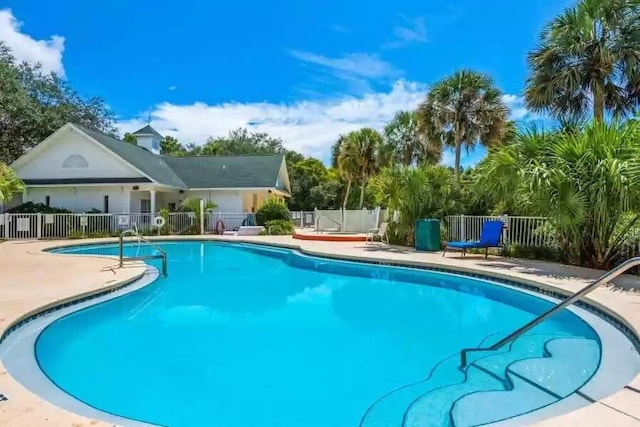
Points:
point(489, 238)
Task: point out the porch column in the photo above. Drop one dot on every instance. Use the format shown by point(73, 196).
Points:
point(153, 201)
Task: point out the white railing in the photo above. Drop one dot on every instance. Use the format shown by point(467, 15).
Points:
point(80, 225)
point(303, 219)
point(519, 230)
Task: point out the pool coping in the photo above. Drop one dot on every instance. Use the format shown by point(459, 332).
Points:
point(624, 406)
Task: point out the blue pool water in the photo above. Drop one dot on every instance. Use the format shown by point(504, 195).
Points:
point(241, 335)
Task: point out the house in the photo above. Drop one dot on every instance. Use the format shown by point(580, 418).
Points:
point(82, 170)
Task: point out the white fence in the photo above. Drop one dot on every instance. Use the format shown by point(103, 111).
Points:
point(68, 225)
point(348, 220)
point(519, 230)
point(303, 219)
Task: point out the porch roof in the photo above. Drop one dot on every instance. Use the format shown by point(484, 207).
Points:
point(70, 181)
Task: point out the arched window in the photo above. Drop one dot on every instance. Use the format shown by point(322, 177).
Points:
point(75, 161)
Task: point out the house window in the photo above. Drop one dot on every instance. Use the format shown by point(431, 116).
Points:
point(172, 207)
point(75, 161)
point(47, 200)
point(145, 206)
point(106, 204)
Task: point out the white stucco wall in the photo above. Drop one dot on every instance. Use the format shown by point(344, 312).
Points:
point(228, 201)
point(81, 199)
point(47, 163)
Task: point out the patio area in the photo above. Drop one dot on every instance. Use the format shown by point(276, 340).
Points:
point(33, 280)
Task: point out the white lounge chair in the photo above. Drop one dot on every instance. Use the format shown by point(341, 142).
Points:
point(380, 233)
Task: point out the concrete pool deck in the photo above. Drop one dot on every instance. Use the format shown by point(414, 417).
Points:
point(31, 280)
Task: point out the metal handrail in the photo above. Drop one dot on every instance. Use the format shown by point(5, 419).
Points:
point(330, 219)
point(609, 275)
point(163, 253)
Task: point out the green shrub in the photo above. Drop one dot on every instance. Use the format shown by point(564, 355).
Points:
point(279, 227)
point(31, 207)
point(76, 234)
point(272, 210)
point(545, 253)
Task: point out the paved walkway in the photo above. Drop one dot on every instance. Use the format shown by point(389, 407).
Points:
point(31, 280)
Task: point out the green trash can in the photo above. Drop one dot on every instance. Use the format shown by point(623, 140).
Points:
point(428, 235)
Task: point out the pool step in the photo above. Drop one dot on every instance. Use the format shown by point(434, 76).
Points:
point(432, 409)
point(536, 370)
point(389, 409)
point(534, 383)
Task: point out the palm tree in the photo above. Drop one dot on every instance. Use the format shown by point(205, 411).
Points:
point(463, 110)
point(588, 58)
point(347, 161)
point(10, 184)
point(363, 151)
point(418, 192)
point(407, 145)
point(587, 181)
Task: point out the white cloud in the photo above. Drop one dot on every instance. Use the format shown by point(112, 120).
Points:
point(517, 106)
point(25, 48)
point(363, 65)
point(308, 126)
point(172, 88)
point(411, 31)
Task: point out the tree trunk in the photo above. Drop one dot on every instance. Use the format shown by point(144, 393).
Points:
point(458, 150)
point(346, 196)
point(408, 155)
point(364, 183)
point(598, 102)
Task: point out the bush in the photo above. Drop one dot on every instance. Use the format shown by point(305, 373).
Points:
point(31, 207)
point(545, 253)
point(279, 227)
point(272, 210)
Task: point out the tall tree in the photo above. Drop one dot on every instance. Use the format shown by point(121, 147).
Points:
point(588, 59)
point(305, 176)
point(130, 138)
point(170, 146)
point(362, 154)
point(407, 145)
point(34, 104)
point(463, 110)
point(243, 142)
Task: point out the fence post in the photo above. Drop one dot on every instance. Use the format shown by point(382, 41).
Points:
point(201, 216)
point(463, 233)
point(301, 219)
point(6, 225)
point(39, 226)
point(505, 236)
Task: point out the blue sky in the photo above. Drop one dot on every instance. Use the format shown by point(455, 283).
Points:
point(302, 71)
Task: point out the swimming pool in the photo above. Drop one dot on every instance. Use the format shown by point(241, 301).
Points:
point(246, 335)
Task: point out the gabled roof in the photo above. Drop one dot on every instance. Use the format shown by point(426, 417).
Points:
point(196, 171)
point(147, 130)
point(150, 164)
point(228, 171)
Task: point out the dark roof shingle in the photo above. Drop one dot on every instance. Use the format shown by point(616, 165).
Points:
point(148, 130)
point(150, 164)
point(196, 171)
point(228, 171)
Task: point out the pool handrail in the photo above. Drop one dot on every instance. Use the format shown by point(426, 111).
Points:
point(318, 230)
point(162, 253)
point(609, 275)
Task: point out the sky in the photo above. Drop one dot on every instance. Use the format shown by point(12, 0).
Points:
point(302, 71)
